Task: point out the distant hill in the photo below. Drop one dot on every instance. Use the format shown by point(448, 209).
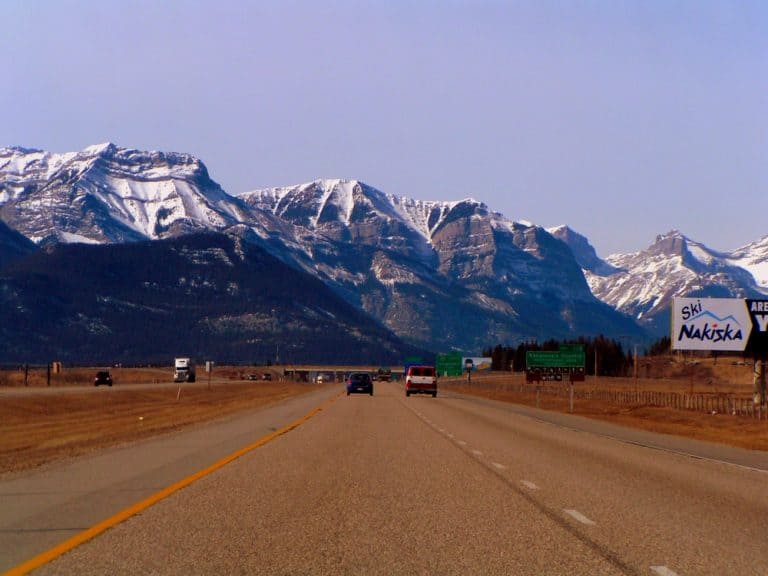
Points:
point(13, 246)
point(210, 296)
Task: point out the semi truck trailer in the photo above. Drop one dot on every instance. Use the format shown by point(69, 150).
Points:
point(183, 370)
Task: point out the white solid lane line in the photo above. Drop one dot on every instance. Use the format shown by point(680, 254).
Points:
point(663, 571)
point(579, 516)
point(528, 484)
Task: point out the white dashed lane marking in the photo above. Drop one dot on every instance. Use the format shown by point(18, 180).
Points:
point(575, 514)
point(663, 571)
point(579, 516)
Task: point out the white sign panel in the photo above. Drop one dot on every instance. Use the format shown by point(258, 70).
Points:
point(710, 324)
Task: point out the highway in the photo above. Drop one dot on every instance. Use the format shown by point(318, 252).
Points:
point(395, 485)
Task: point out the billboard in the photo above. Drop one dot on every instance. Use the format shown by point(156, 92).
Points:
point(476, 364)
point(710, 324)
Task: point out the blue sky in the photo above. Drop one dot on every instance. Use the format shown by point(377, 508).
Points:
point(621, 119)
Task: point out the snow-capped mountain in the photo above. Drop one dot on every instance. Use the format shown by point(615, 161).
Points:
point(444, 273)
point(643, 283)
point(439, 274)
point(106, 194)
point(458, 239)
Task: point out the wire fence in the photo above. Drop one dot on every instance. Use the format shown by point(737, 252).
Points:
point(709, 403)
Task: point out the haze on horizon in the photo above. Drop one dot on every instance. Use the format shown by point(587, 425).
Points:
point(621, 120)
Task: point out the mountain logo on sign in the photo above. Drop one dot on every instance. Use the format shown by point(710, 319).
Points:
point(730, 317)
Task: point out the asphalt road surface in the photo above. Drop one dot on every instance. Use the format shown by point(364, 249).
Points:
point(452, 485)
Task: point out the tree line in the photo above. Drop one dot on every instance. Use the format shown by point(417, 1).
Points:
point(611, 356)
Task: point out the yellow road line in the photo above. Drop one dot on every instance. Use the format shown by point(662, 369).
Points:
point(93, 531)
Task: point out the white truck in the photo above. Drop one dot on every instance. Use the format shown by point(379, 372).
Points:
point(183, 370)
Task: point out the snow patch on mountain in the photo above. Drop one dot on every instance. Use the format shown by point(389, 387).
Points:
point(350, 201)
point(754, 258)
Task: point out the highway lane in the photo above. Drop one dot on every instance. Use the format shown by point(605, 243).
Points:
point(41, 508)
point(648, 507)
point(453, 485)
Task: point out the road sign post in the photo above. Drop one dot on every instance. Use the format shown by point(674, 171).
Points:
point(568, 361)
point(209, 369)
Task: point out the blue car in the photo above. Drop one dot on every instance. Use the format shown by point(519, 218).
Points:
point(359, 382)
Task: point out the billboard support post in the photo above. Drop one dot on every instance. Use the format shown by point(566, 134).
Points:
point(537, 394)
point(758, 382)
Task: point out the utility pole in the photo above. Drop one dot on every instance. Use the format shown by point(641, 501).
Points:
point(635, 369)
point(596, 382)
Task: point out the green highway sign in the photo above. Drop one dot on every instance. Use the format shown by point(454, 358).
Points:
point(558, 359)
point(449, 364)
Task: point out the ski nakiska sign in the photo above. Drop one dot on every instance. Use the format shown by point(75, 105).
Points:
point(710, 324)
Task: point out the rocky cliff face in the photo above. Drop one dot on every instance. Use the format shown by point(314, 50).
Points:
point(448, 274)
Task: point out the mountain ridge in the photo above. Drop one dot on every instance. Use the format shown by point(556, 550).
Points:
point(423, 267)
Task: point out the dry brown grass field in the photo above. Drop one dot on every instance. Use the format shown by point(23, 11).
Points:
point(54, 424)
point(722, 377)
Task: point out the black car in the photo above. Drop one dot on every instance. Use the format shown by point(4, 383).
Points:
point(359, 382)
point(103, 377)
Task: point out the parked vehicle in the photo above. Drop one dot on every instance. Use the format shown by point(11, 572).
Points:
point(184, 370)
point(420, 379)
point(359, 382)
point(266, 376)
point(103, 377)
